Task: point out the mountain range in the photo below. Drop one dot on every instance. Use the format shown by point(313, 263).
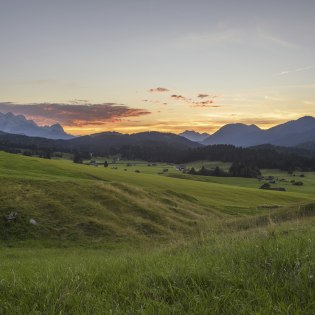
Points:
point(18, 124)
point(194, 136)
point(300, 133)
point(292, 133)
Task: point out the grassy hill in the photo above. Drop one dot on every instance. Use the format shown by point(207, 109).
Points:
point(110, 241)
point(72, 202)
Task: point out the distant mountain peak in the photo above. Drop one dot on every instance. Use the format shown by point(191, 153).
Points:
point(306, 118)
point(240, 126)
point(9, 115)
point(56, 127)
point(286, 134)
point(194, 135)
point(18, 124)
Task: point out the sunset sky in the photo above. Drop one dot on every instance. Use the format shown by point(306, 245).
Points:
point(166, 65)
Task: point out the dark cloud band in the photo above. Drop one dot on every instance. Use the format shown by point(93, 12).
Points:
point(74, 114)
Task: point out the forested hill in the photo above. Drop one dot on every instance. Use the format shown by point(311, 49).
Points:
point(160, 147)
point(262, 156)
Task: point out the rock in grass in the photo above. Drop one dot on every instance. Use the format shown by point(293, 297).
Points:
point(12, 216)
point(32, 221)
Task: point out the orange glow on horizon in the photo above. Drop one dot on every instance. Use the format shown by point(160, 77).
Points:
point(173, 127)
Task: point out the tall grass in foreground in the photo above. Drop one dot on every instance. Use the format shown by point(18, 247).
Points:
point(263, 272)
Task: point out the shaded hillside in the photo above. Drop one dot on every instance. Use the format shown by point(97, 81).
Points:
point(266, 156)
point(289, 134)
point(292, 132)
point(103, 143)
point(310, 146)
point(297, 150)
point(110, 140)
point(236, 134)
point(194, 136)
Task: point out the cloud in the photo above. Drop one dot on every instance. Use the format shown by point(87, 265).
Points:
point(205, 103)
point(277, 41)
point(179, 97)
point(200, 95)
point(225, 37)
point(294, 70)
point(76, 114)
point(153, 101)
point(208, 103)
point(203, 95)
point(159, 89)
point(206, 40)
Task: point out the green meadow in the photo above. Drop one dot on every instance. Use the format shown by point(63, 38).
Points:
point(117, 241)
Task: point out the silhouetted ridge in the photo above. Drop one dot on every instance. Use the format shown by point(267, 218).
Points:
point(18, 124)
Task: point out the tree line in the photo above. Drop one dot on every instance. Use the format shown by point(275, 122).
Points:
point(237, 169)
point(158, 151)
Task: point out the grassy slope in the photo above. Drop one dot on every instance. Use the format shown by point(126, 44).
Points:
point(208, 194)
point(79, 202)
point(240, 259)
point(264, 272)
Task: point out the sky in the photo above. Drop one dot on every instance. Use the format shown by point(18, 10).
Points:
point(165, 65)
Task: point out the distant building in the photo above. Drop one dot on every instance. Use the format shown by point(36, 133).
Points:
point(181, 167)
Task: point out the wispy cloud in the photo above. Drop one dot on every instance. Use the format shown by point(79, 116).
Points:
point(201, 95)
point(77, 114)
point(294, 70)
point(159, 89)
point(204, 95)
point(274, 39)
point(206, 40)
point(231, 36)
point(207, 104)
point(179, 97)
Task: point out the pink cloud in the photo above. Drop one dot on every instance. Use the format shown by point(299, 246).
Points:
point(73, 114)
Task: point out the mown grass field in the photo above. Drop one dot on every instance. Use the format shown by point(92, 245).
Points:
point(110, 241)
